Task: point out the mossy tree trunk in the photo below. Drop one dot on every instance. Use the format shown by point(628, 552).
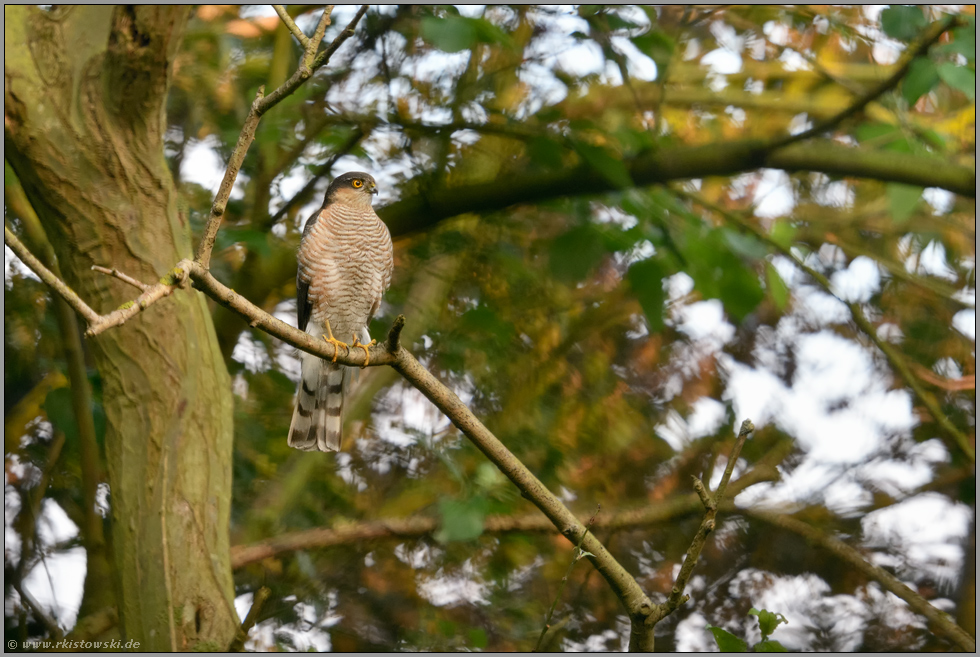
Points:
point(85, 92)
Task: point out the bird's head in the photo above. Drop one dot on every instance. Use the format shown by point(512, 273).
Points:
point(354, 187)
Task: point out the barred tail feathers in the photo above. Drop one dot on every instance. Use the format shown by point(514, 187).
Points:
point(316, 423)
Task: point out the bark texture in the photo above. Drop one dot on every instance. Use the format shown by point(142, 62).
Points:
point(85, 90)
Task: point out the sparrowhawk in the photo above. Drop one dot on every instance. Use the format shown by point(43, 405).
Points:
point(345, 263)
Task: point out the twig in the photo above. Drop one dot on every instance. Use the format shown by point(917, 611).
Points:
point(711, 503)
point(260, 106)
point(940, 620)
point(47, 277)
point(931, 35)
point(38, 612)
point(291, 25)
point(151, 294)
point(314, 43)
point(953, 434)
point(125, 278)
point(238, 644)
point(579, 555)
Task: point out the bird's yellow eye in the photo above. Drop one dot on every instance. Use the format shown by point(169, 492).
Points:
point(358, 184)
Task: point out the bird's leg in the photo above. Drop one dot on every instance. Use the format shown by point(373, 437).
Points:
point(337, 344)
point(367, 354)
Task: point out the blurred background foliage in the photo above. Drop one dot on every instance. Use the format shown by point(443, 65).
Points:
point(610, 341)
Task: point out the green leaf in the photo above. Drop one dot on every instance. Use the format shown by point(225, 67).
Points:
point(646, 280)
point(462, 520)
point(777, 287)
point(768, 621)
point(545, 152)
point(450, 34)
point(959, 77)
point(719, 273)
point(903, 22)
point(876, 132)
point(727, 642)
point(743, 244)
point(574, 254)
point(902, 200)
point(658, 46)
point(456, 33)
point(769, 646)
point(607, 166)
point(920, 79)
point(964, 43)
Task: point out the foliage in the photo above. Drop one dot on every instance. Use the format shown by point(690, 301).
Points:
point(610, 336)
point(768, 622)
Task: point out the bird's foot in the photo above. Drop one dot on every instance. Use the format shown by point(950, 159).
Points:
point(337, 344)
point(367, 354)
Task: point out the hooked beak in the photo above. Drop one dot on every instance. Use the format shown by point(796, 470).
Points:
point(373, 189)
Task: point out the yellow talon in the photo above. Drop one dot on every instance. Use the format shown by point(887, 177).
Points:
point(367, 354)
point(337, 344)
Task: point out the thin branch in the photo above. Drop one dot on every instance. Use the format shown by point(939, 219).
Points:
point(47, 277)
point(579, 555)
point(260, 106)
point(128, 310)
point(954, 436)
point(419, 526)
point(314, 43)
point(291, 25)
point(931, 35)
point(125, 278)
point(641, 636)
point(940, 620)
point(38, 611)
point(259, 600)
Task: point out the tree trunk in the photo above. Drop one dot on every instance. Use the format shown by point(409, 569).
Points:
point(85, 92)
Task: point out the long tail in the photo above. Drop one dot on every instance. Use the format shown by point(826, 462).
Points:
point(317, 417)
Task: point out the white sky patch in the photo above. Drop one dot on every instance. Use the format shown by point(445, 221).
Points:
point(14, 267)
point(927, 530)
point(773, 194)
point(203, 165)
point(705, 321)
point(940, 200)
point(859, 282)
point(965, 321)
point(447, 590)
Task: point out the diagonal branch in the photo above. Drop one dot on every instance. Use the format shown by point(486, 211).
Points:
point(291, 25)
point(940, 621)
point(929, 37)
point(48, 278)
point(260, 106)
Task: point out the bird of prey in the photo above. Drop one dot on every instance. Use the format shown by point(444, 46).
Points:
point(345, 263)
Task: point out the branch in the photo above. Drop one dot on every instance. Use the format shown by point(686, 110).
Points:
point(125, 278)
point(677, 163)
point(260, 106)
point(579, 555)
point(940, 620)
point(954, 436)
point(28, 600)
point(47, 277)
point(291, 25)
point(258, 601)
point(931, 35)
point(419, 526)
point(641, 635)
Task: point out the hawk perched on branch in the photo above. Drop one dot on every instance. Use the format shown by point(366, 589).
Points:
point(345, 263)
